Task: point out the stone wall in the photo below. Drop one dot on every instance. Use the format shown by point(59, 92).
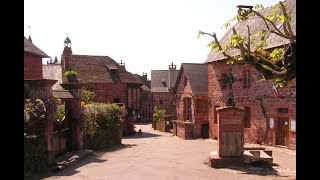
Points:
point(259, 97)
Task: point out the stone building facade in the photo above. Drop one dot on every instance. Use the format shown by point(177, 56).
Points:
point(191, 102)
point(162, 84)
point(270, 118)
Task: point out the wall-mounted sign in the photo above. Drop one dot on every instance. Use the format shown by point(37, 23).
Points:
point(231, 121)
point(271, 123)
point(293, 125)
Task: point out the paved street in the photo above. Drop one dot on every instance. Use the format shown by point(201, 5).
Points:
point(160, 156)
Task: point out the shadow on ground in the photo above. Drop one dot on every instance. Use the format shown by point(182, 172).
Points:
point(143, 135)
point(258, 168)
point(95, 157)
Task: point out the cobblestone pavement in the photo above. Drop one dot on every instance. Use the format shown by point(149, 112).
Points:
point(160, 156)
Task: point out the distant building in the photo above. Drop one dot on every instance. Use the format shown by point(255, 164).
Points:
point(162, 84)
point(191, 100)
point(146, 99)
point(104, 76)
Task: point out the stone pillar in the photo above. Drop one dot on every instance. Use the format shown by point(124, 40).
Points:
point(51, 115)
point(230, 131)
point(42, 89)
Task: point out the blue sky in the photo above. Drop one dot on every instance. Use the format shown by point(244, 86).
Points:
point(146, 34)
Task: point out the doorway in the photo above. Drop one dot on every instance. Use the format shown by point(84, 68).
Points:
point(205, 131)
point(283, 131)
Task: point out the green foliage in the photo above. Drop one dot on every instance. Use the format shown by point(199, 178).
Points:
point(258, 7)
point(35, 158)
point(236, 40)
point(87, 95)
point(213, 45)
point(60, 113)
point(276, 54)
point(35, 152)
point(159, 113)
point(101, 125)
point(67, 73)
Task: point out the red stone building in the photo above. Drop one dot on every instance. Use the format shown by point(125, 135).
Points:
point(268, 119)
point(103, 75)
point(162, 84)
point(146, 101)
point(33, 60)
point(191, 100)
point(36, 87)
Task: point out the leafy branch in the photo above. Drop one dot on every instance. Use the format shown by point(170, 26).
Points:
point(278, 64)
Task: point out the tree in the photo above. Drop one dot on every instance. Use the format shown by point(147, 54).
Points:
point(278, 64)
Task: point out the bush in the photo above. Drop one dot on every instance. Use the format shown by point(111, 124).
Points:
point(101, 125)
point(159, 113)
point(35, 151)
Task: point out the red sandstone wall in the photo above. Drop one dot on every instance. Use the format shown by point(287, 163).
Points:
point(260, 92)
point(146, 105)
point(184, 91)
point(32, 66)
point(167, 99)
point(106, 93)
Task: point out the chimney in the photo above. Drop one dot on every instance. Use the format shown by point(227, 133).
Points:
point(172, 67)
point(122, 65)
point(170, 74)
point(144, 77)
point(243, 11)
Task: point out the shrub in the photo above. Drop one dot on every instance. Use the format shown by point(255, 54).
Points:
point(159, 113)
point(35, 151)
point(101, 125)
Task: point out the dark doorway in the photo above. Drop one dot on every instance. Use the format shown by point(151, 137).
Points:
point(283, 131)
point(205, 131)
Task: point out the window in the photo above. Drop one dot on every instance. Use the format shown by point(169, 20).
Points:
point(283, 110)
point(224, 81)
point(215, 115)
point(187, 108)
point(246, 77)
point(247, 117)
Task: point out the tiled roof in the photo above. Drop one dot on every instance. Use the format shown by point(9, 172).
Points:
point(95, 69)
point(197, 75)
point(31, 48)
point(160, 81)
point(62, 94)
point(256, 24)
point(53, 71)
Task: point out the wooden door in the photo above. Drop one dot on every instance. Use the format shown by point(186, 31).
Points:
point(205, 131)
point(231, 143)
point(283, 131)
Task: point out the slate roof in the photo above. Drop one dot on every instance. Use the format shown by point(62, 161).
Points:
point(160, 81)
point(53, 71)
point(95, 69)
point(31, 48)
point(145, 84)
point(197, 75)
point(256, 24)
point(62, 94)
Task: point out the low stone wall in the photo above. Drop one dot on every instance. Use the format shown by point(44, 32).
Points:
point(183, 129)
point(162, 125)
